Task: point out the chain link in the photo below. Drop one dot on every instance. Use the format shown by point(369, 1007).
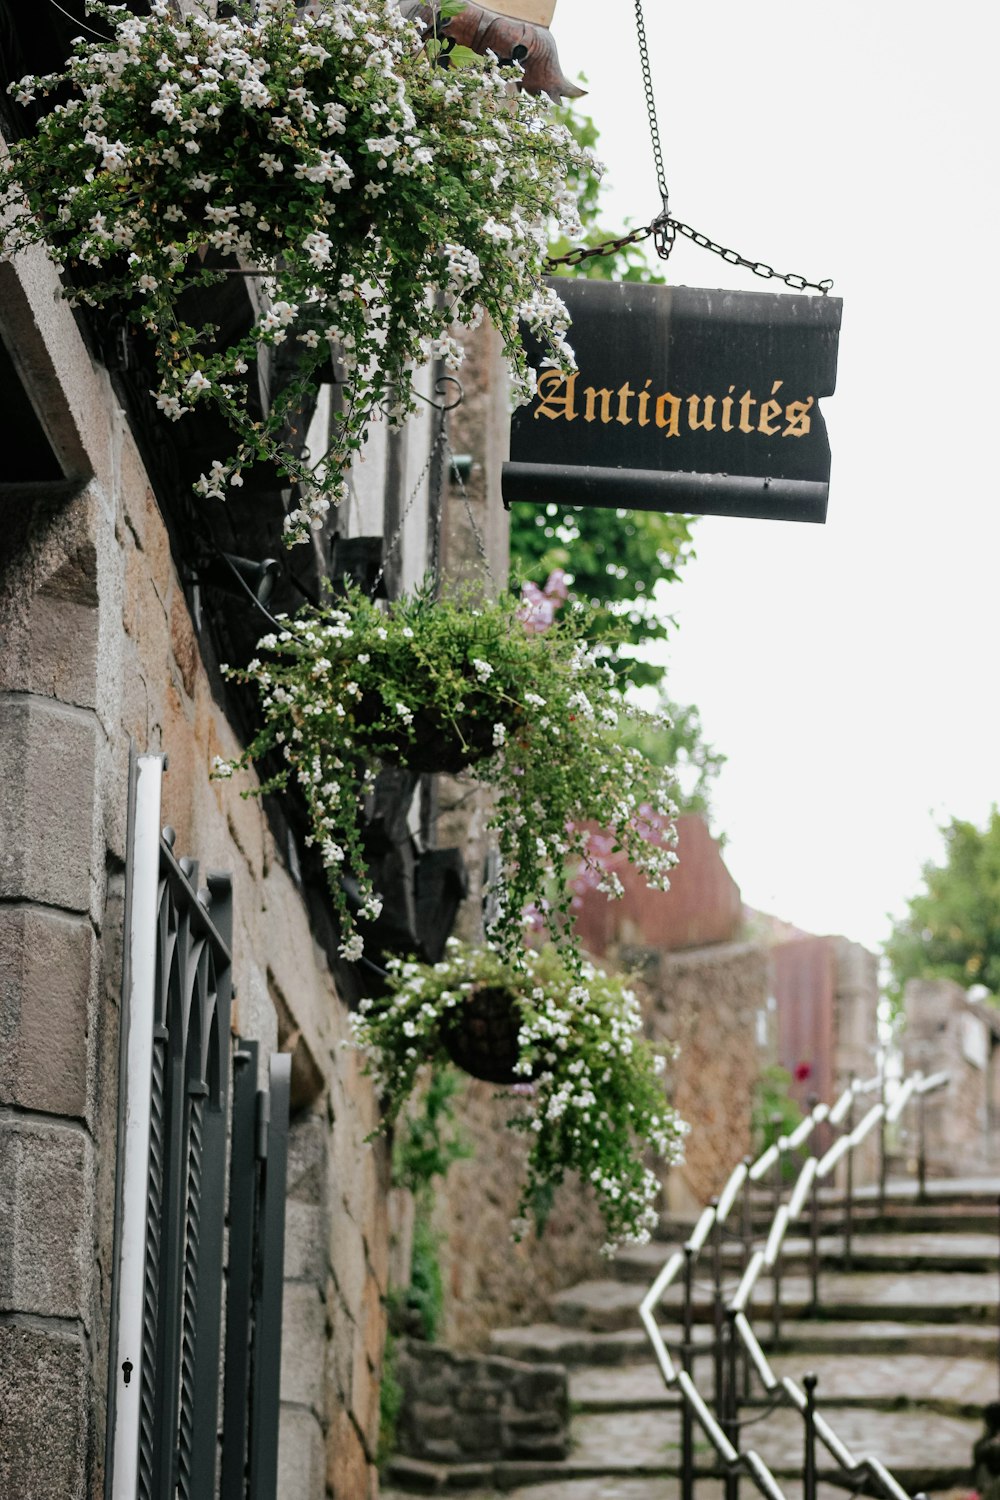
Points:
point(647, 84)
point(664, 229)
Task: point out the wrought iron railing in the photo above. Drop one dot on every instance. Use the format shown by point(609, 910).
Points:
point(737, 1353)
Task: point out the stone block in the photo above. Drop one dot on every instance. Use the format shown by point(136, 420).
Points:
point(303, 1346)
point(305, 1243)
point(50, 647)
point(43, 1413)
point(47, 766)
point(301, 1456)
point(45, 977)
point(183, 645)
point(46, 1189)
point(349, 1475)
point(544, 1385)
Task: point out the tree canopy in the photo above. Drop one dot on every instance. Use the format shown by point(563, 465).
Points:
point(952, 928)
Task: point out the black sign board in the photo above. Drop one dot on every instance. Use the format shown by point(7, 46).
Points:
point(685, 400)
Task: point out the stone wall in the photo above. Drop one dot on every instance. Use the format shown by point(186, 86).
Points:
point(98, 651)
point(489, 1281)
point(479, 1409)
point(944, 1032)
point(706, 1002)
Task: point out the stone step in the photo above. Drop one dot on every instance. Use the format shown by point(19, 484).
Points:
point(542, 1343)
point(884, 1252)
point(925, 1451)
point(945, 1383)
point(604, 1306)
point(433, 1479)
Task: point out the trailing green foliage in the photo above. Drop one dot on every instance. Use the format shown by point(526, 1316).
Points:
point(390, 1400)
point(952, 927)
point(427, 1139)
point(425, 1294)
point(774, 1111)
point(445, 683)
point(590, 1096)
point(376, 199)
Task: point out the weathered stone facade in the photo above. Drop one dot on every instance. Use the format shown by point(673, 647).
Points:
point(945, 1032)
point(479, 1408)
point(101, 654)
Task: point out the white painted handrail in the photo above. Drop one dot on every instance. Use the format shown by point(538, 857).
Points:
point(814, 1170)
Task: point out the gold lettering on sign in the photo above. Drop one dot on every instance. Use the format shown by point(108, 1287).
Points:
point(674, 414)
point(694, 421)
point(768, 411)
point(727, 410)
point(623, 399)
point(590, 413)
point(671, 423)
point(746, 402)
point(556, 395)
point(799, 420)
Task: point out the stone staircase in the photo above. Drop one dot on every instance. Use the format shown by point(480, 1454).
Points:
point(905, 1348)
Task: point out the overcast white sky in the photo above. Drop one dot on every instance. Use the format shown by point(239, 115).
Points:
point(848, 671)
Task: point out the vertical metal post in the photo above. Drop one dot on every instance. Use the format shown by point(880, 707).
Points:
point(814, 1243)
point(687, 1363)
point(849, 1187)
point(776, 1272)
point(882, 1163)
point(921, 1147)
point(718, 1316)
point(731, 1415)
point(262, 1457)
point(136, 1062)
point(746, 1231)
point(809, 1467)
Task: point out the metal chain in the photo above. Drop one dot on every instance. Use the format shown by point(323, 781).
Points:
point(441, 439)
point(664, 228)
point(477, 533)
point(647, 84)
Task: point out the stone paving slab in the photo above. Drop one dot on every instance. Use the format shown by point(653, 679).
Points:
point(663, 1487)
point(605, 1305)
point(942, 1383)
point(921, 1251)
point(649, 1441)
point(541, 1342)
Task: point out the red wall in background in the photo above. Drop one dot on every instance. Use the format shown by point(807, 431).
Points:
point(804, 981)
point(702, 906)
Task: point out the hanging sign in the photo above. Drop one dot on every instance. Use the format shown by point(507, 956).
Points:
point(685, 400)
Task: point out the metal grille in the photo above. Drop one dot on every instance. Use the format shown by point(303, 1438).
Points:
point(179, 1143)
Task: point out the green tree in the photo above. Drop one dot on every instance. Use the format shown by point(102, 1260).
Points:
point(952, 928)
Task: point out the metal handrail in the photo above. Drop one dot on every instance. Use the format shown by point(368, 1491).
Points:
point(722, 1427)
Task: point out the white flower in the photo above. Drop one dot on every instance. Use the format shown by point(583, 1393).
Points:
point(484, 671)
point(318, 246)
point(197, 383)
point(499, 734)
point(352, 949)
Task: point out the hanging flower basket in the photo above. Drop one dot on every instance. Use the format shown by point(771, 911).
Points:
point(433, 743)
point(482, 1035)
point(435, 684)
point(372, 199)
point(588, 1090)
